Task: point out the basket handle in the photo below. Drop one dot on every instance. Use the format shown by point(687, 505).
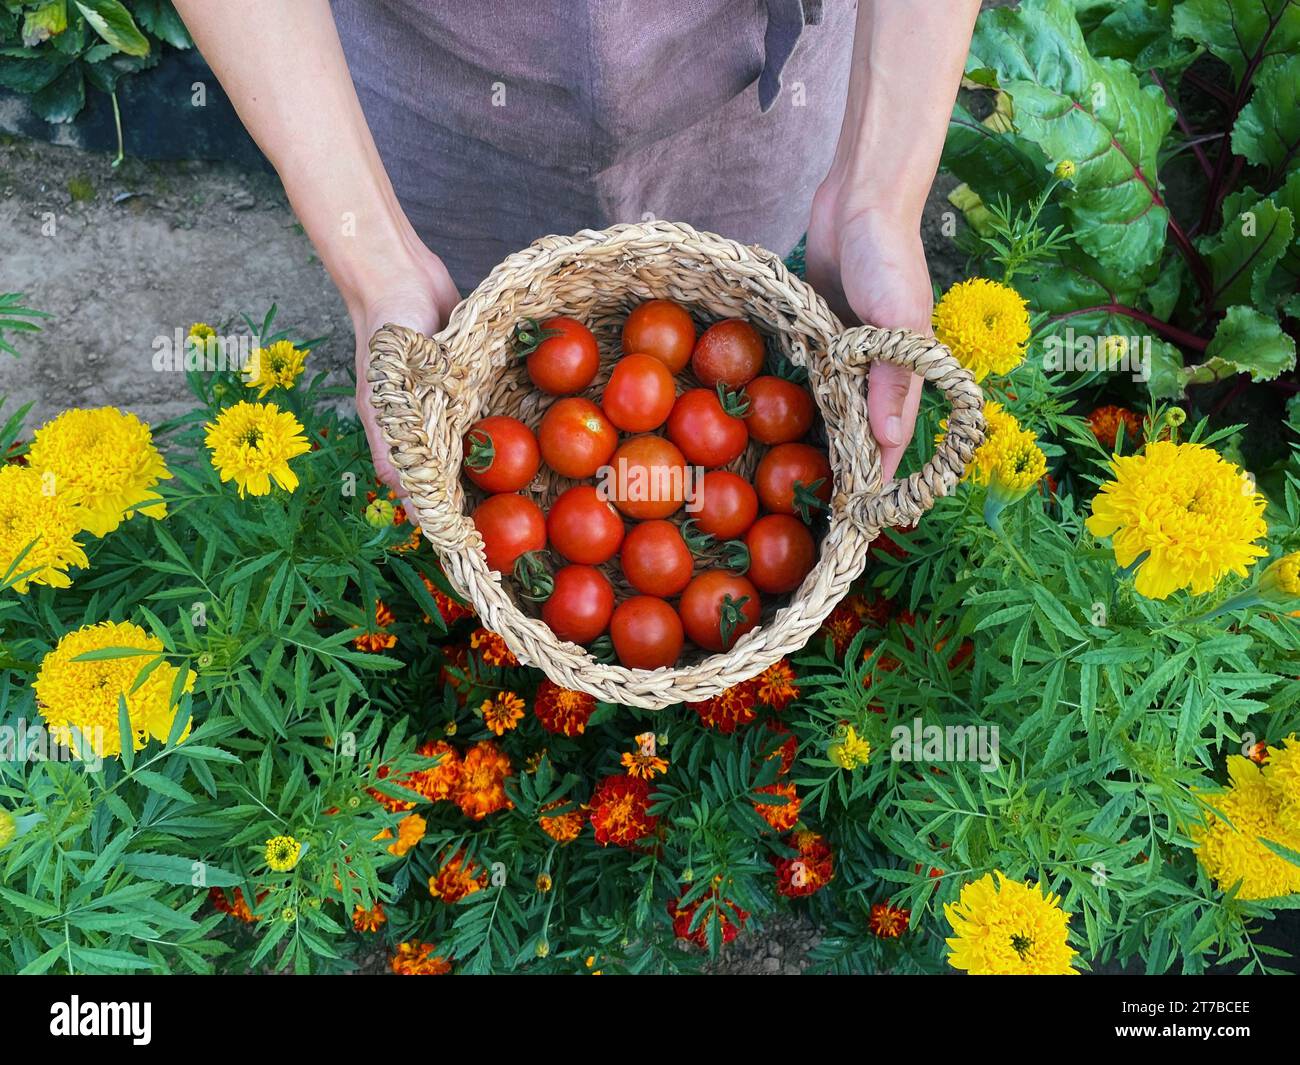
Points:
point(903, 502)
point(416, 389)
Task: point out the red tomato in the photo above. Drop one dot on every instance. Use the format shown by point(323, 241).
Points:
point(787, 465)
point(583, 527)
point(562, 363)
point(707, 434)
point(656, 560)
point(581, 604)
point(501, 454)
point(727, 505)
point(781, 553)
point(662, 329)
point(576, 439)
point(718, 600)
point(639, 394)
point(730, 353)
point(649, 478)
point(646, 632)
point(510, 525)
point(779, 410)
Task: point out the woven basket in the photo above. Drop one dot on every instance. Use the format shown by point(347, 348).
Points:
point(428, 391)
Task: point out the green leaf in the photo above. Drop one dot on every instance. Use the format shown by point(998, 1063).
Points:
point(1247, 342)
point(160, 19)
point(1239, 30)
point(114, 24)
point(1242, 255)
point(1092, 111)
point(63, 98)
point(1267, 132)
point(173, 869)
point(993, 163)
point(43, 22)
point(1141, 33)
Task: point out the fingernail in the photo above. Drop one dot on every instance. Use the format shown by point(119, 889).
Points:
point(894, 428)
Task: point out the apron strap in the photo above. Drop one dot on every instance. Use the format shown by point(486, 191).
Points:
point(785, 23)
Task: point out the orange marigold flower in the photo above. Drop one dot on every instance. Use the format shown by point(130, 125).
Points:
point(730, 709)
point(841, 625)
point(417, 959)
point(873, 610)
point(502, 712)
point(644, 762)
point(563, 828)
point(809, 870)
point(364, 920)
point(1259, 753)
point(562, 710)
point(481, 788)
point(456, 879)
point(784, 816)
point(439, 781)
point(776, 685)
point(233, 907)
point(389, 803)
point(492, 648)
point(786, 750)
point(451, 610)
point(381, 639)
point(410, 830)
point(888, 921)
point(620, 811)
point(1105, 422)
point(730, 917)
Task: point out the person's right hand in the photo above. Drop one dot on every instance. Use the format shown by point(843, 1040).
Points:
point(419, 296)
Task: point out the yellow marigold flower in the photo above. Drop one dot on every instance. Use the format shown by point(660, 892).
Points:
point(379, 513)
point(644, 762)
point(999, 424)
point(43, 525)
point(278, 366)
point(1019, 467)
point(985, 325)
point(850, 750)
point(282, 853)
point(8, 827)
point(1232, 852)
point(1189, 514)
point(544, 882)
point(364, 920)
point(251, 443)
point(1005, 928)
point(84, 694)
point(1282, 775)
point(1282, 578)
point(502, 712)
point(104, 462)
point(202, 331)
point(1065, 170)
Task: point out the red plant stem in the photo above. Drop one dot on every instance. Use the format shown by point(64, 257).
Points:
point(1162, 328)
point(1183, 124)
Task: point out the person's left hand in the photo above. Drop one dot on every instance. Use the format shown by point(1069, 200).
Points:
point(870, 267)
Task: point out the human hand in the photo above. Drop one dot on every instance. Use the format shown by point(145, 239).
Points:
point(418, 294)
point(870, 267)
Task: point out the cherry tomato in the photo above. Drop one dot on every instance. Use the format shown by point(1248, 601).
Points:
point(781, 553)
point(581, 604)
point(583, 527)
point(730, 353)
point(562, 363)
point(787, 465)
point(649, 478)
point(646, 632)
point(779, 410)
point(662, 329)
point(715, 601)
point(639, 394)
point(706, 433)
point(576, 439)
point(501, 454)
point(727, 505)
point(510, 525)
point(656, 560)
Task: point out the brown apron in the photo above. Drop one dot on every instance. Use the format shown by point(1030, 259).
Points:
point(502, 121)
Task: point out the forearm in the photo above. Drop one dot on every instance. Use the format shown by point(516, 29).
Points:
point(295, 96)
point(908, 58)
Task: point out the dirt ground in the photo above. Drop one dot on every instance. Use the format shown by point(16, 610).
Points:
point(122, 257)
